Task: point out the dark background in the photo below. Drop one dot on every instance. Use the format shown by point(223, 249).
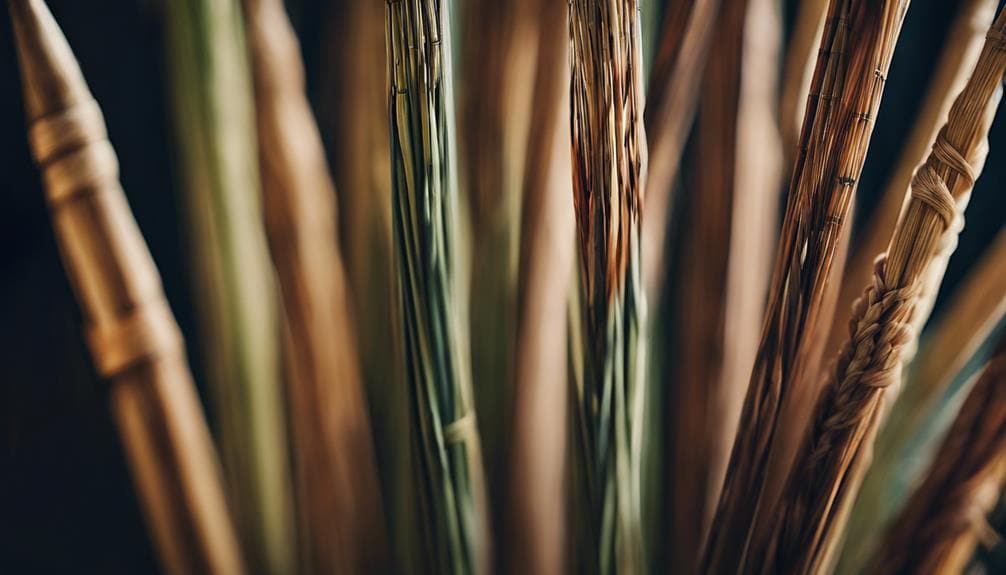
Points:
point(66, 502)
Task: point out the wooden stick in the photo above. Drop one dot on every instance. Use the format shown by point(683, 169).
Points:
point(340, 507)
point(134, 340)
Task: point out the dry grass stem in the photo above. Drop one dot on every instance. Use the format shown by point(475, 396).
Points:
point(826, 476)
point(340, 509)
point(609, 170)
point(801, 59)
point(963, 44)
point(424, 188)
point(536, 520)
point(976, 309)
point(848, 84)
point(680, 55)
point(134, 340)
point(946, 516)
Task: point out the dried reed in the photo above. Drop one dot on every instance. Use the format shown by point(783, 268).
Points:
point(424, 188)
point(948, 348)
point(338, 495)
point(681, 52)
point(940, 526)
point(963, 44)
point(134, 340)
point(848, 84)
point(609, 170)
point(535, 531)
point(801, 58)
point(729, 224)
point(827, 473)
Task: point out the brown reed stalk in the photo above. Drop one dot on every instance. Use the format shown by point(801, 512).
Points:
point(339, 502)
point(976, 308)
point(681, 52)
point(609, 171)
point(963, 44)
point(723, 275)
point(134, 340)
point(848, 84)
point(801, 58)
point(536, 520)
point(826, 475)
point(938, 529)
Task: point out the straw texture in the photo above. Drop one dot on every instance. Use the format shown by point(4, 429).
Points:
point(830, 467)
point(340, 509)
point(848, 84)
point(134, 340)
point(940, 526)
point(424, 200)
point(609, 169)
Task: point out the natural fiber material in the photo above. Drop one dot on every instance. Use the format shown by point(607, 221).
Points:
point(941, 524)
point(681, 53)
point(848, 84)
point(728, 223)
point(340, 509)
point(948, 348)
point(830, 467)
point(535, 533)
point(963, 44)
point(801, 59)
point(424, 188)
point(609, 169)
point(134, 340)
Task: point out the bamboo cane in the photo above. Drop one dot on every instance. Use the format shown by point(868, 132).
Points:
point(134, 340)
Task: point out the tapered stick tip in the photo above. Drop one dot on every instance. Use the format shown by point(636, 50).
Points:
point(51, 77)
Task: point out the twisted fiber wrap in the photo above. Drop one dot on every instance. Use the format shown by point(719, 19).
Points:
point(827, 474)
point(937, 530)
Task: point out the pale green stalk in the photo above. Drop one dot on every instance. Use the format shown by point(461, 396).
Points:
point(217, 155)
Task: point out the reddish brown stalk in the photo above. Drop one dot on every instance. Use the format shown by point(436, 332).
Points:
point(800, 63)
point(537, 513)
point(946, 516)
point(846, 91)
point(134, 340)
point(826, 476)
point(670, 105)
point(337, 482)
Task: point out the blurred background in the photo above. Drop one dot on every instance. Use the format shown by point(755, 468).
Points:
point(66, 501)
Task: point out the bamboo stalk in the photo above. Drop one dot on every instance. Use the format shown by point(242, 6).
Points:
point(977, 308)
point(963, 44)
point(609, 171)
point(535, 532)
point(830, 467)
point(339, 502)
point(134, 340)
point(236, 297)
point(848, 84)
point(672, 93)
point(424, 189)
point(941, 525)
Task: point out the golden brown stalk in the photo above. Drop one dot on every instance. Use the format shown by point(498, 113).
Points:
point(963, 44)
point(724, 272)
point(334, 459)
point(134, 340)
point(681, 53)
point(977, 307)
point(826, 475)
point(946, 517)
point(609, 170)
point(536, 492)
point(800, 61)
point(848, 84)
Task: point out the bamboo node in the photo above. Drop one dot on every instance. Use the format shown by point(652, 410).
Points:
point(143, 334)
point(461, 430)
